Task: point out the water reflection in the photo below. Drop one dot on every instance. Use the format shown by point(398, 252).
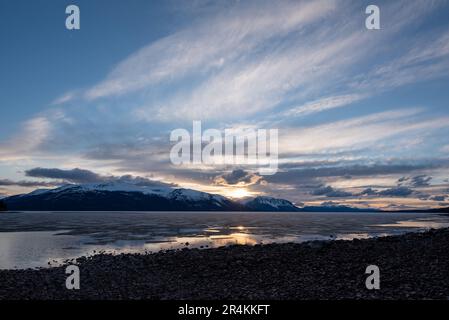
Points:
point(34, 239)
point(421, 223)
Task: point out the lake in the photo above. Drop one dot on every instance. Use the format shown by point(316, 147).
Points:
point(35, 239)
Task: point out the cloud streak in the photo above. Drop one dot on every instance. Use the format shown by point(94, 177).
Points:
point(73, 175)
point(358, 132)
point(208, 45)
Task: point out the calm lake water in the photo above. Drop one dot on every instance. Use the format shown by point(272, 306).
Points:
point(33, 239)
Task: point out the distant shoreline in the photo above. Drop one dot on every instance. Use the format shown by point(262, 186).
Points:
point(412, 266)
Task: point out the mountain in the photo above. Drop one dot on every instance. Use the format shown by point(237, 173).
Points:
point(269, 204)
point(120, 196)
point(132, 196)
point(2, 206)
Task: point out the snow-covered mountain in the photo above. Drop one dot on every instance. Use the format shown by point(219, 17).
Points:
point(123, 196)
point(262, 203)
point(162, 191)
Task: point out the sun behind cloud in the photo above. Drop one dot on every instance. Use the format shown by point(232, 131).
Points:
point(238, 193)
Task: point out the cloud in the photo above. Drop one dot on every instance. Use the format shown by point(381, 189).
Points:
point(323, 104)
point(416, 181)
point(25, 183)
point(246, 58)
point(251, 57)
point(304, 172)
point(421, 181)
point(396, 192)
point(416, 64)
point(438, 198)
point(357, 133)
point(237, 177)
point(34, 132)
point(399, 191)
point(207, 45)
point(86, 176)
point(368, 192)
point(330, 192)
point(73, 175)
point(66, 97)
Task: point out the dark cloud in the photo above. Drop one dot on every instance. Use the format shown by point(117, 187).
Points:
point(330, 192)
point(73, 175)
point(421, 181)
point(311, 173)
point(423, 196)
point(416, 181)
point(345, 170)
point(368, 192)
point(86, 176)
point(438, 198)
point(238, 176)
point(396, 192)
point(25, 183)
point(399, 191)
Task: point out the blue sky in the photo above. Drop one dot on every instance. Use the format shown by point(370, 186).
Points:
point(362, 114)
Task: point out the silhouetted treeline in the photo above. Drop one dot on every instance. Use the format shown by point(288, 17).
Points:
point(2, 206)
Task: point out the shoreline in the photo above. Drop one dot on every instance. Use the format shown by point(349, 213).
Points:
point(412, 266)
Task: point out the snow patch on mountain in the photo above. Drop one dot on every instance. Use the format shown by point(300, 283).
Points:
point(166, 192)
point(268, 202)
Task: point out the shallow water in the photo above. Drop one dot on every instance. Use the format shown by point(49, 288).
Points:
point(33, 239)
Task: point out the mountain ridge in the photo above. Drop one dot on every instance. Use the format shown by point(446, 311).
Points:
point(132, 197)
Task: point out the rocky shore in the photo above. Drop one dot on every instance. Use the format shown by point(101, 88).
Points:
point(412, 266)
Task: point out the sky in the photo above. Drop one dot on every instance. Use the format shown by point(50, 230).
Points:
point(362, 115)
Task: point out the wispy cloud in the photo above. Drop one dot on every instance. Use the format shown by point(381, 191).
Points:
point(356, 133)
point(323, 104)
point(66, 97)
point(26, 183)
point(34, 132)
point(208, 44)
point(255, 57)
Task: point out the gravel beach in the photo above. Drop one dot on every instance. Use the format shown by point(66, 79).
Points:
point(412, 266)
